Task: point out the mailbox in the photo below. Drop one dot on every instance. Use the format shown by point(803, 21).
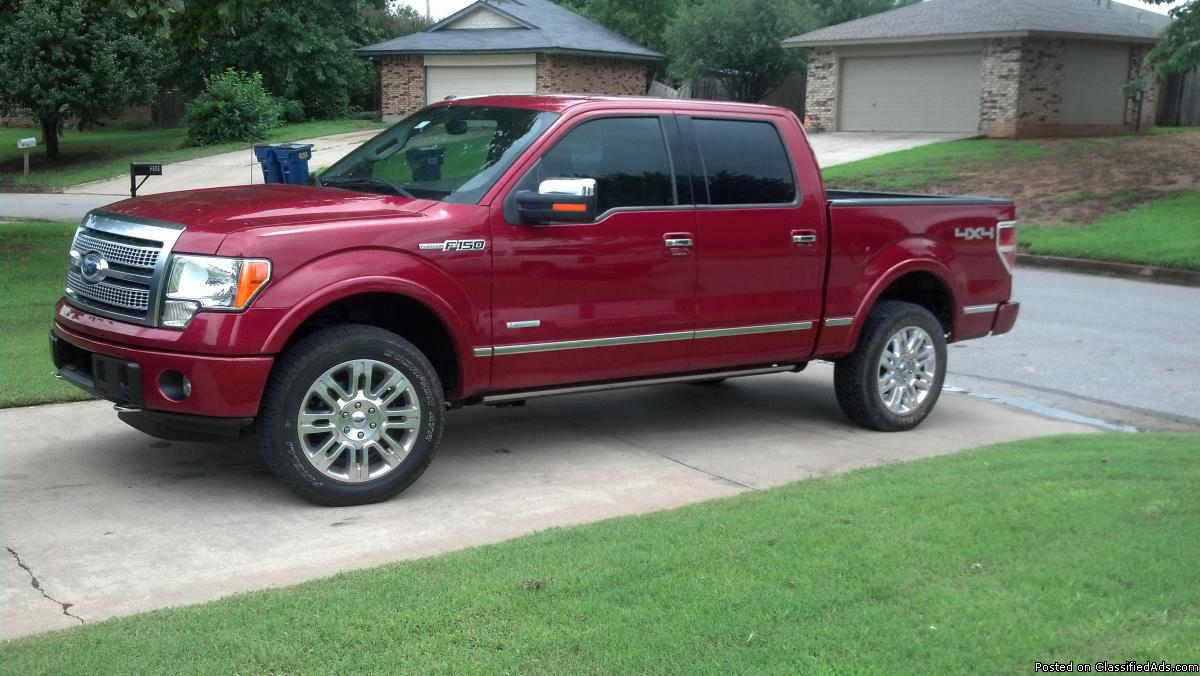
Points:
point(27, 143)
point(143, 169)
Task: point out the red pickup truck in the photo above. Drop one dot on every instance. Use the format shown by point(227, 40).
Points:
point(496, 249)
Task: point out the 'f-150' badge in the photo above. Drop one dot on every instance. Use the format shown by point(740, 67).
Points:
point(456, 245)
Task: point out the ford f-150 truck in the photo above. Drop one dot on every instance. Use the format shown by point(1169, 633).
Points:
point(497, 249)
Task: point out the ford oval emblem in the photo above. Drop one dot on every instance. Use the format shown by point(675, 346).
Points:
point(94, 268)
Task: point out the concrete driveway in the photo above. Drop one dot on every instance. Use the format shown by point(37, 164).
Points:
point(840, 147)
point(110, 522)
point(233, 168)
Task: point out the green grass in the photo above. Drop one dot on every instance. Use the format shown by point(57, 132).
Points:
point(33, 269)
point(1164, 233)
point(1174, 130)
point(1067, 548)
point(914, 169)
point(107, 152)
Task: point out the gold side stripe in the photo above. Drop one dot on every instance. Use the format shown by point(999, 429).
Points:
point(528, 348)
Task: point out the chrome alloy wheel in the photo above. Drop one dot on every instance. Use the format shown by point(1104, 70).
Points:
point(907, 370)
point(359, 420)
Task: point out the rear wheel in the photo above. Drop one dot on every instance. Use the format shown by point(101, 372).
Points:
point(352, 415)
point(894, 377)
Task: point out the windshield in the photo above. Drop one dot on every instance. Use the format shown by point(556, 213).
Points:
point(448, 153)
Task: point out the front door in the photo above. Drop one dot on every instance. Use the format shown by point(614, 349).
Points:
point(605, 300)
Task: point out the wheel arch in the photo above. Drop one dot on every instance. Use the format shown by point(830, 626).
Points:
point(410, 311)
point(923, 282)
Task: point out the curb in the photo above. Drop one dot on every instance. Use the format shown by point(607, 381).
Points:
point(1148, 273)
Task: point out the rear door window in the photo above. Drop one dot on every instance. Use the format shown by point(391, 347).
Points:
point(626, 155)
point(744, 162)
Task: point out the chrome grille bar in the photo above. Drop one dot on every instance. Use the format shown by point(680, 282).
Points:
point(133, 252)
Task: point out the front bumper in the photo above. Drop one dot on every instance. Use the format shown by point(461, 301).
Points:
point(139, 378)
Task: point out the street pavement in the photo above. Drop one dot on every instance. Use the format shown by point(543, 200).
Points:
point(240, 168)
point(1122, 350)
point(111, 522)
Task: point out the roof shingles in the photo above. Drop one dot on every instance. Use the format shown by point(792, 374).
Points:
point(553, 29)
point(947, 19)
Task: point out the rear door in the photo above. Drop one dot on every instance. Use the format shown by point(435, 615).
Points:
point(760, 242)
point(603, 300)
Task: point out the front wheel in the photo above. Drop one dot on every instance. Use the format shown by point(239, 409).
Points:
point(894, 377)
point(352, 415)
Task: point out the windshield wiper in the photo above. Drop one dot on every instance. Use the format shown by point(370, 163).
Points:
point(368, 181)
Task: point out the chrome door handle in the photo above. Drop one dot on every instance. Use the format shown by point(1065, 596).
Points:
point(676, 243)
point(804, 239)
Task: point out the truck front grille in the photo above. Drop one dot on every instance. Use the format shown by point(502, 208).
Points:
point(117, 265)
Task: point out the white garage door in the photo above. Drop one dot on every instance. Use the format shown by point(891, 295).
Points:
point(1091, 84)
point(934, 92)
point(474, 76)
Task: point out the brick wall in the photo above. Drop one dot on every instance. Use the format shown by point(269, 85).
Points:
point(403, 85)
point(563, 74)
point(1042, 62)
point(1001, 79)
point(820, 101)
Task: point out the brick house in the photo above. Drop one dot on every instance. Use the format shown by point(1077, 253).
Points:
point(507, 47)
point(1005, 68)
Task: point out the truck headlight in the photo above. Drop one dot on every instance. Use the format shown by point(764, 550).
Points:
point(197, 283)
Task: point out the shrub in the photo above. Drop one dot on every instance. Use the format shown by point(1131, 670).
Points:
point(291, 110)
point(233, 107)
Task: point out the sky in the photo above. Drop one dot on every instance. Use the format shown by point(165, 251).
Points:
point(443, 8)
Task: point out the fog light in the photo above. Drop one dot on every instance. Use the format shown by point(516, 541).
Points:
point(174, 385)
point(177, 313)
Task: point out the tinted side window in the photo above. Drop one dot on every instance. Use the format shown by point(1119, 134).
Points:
point(745, 162)
point(626, 155)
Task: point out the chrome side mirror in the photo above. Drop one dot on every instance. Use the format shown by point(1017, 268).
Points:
point(559, 200)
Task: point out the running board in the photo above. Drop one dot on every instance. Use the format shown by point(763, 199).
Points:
point(509, 397)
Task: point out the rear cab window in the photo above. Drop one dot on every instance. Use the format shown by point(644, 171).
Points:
point(744, 162)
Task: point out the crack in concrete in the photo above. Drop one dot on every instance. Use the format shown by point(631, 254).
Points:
point(37, 584)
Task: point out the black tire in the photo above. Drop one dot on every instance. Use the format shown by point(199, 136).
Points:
point(856, 376)
point(300, 367)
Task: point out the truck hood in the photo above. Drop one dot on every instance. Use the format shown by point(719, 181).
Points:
point(209, 215)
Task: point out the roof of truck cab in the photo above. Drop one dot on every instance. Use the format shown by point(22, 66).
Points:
point(558, 103)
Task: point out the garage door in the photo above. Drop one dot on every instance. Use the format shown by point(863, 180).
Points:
point(1091, 83)
point(443, 81)
point(935, 92)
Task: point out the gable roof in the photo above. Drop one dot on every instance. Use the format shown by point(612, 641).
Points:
point(959, 19)
point(543, 27)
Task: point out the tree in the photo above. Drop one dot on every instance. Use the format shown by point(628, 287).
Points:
point(643, 21)
point(1178, 50)
point(66, 58)
point(740, 43)
point(841, 11)
point(305, 50)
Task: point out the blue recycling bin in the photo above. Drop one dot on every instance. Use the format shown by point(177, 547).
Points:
point(293, 161)
point(284, 162)
point(272, 172)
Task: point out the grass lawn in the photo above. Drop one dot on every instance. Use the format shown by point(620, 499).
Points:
point(33, 270)
point(1123, 198)
point(107, 152)
point(1067, 548)
point(919, 168)
point(1164, 233)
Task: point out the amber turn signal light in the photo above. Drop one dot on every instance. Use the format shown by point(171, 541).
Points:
point(253, 276)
